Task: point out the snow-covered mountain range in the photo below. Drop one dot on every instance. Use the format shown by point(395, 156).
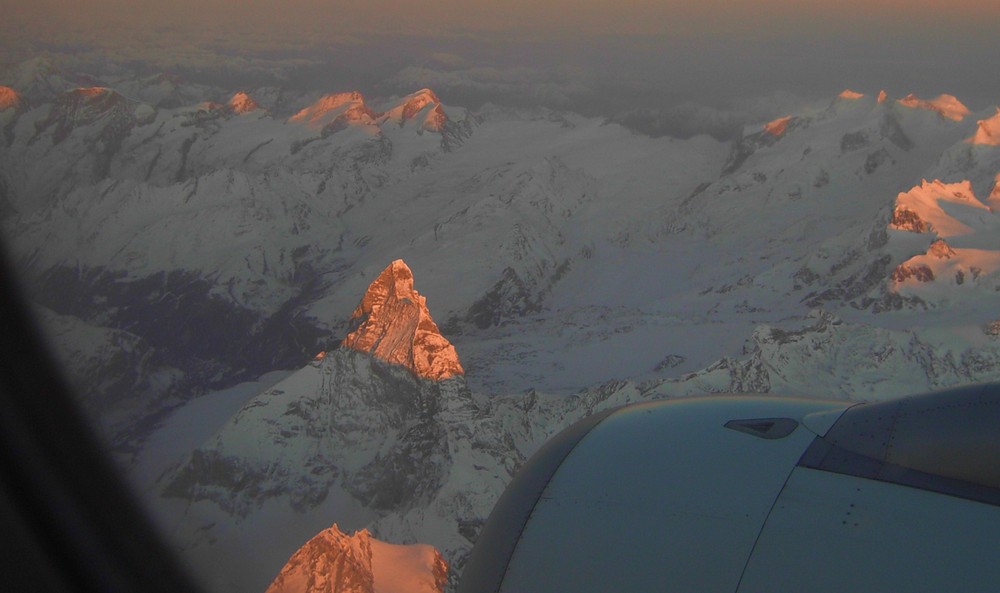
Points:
point(179, 239)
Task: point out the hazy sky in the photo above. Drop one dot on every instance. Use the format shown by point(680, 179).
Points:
point(767, 18)
point(595, 56)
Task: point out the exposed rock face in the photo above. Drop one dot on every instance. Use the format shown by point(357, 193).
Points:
point(395, 326)
point(907, 220)
point(941, 250)
point(948, 209)
point(241, 103)
point(436, 120)
point(334, 562)
point(335, 109)
point(947, 106)
point(417, 101)
point(921, 273)
point(354, 422)
point(10, 99)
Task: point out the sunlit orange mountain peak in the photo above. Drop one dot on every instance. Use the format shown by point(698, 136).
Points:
point(778, 126)
point(10, 99)
point(345, 106)
point(436, 119)
point(334, 562)
point(946, 105)
point(882, 96)
point(849, 94)
point(414, 103)
point(394, 324)
point(410, 106)
point(242, 102)
point(987, 131)
point(920, 210)
point(962, 251)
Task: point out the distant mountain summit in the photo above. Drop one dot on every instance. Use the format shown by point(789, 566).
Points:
point(948, 106)
point(396, 326)
point(334, 562)
point(241, 103)
point(10, 99)
point(411, 106)
point(335, 110)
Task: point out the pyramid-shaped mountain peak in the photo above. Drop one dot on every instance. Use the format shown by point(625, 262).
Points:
point(394, 324)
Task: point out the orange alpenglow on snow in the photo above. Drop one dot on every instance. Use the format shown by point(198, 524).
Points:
point(351, 106)
point(436, 119)
point(920, 209)
point(947, 105)
point(849, 94)
point(412, 105)
point(418, 101)
point(397, 327)
point(242, 103)
point(334, 562)
point(778, 126)
point(882, 97)
point(987, 131)
point(9, 98)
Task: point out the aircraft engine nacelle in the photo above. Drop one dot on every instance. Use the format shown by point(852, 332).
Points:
point(748, 494)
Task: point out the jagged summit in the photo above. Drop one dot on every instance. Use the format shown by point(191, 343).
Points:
point(348, 106)
point(332, 112)
point(241, 103)
point(987, 131)
point(920, 209)
point(418, 100)
point(411, 106)
point(968, 258)
point(10, 99)
point(947, 105)
point(334, 562)
point(436, 119)
point(778, 126)
point(396, 326)
point(849, 94)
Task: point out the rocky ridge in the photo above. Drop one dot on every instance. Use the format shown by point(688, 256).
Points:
point(573, 263)
point(370, 442)
point(334, 562)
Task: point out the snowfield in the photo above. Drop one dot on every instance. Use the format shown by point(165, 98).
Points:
point(192, 249)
